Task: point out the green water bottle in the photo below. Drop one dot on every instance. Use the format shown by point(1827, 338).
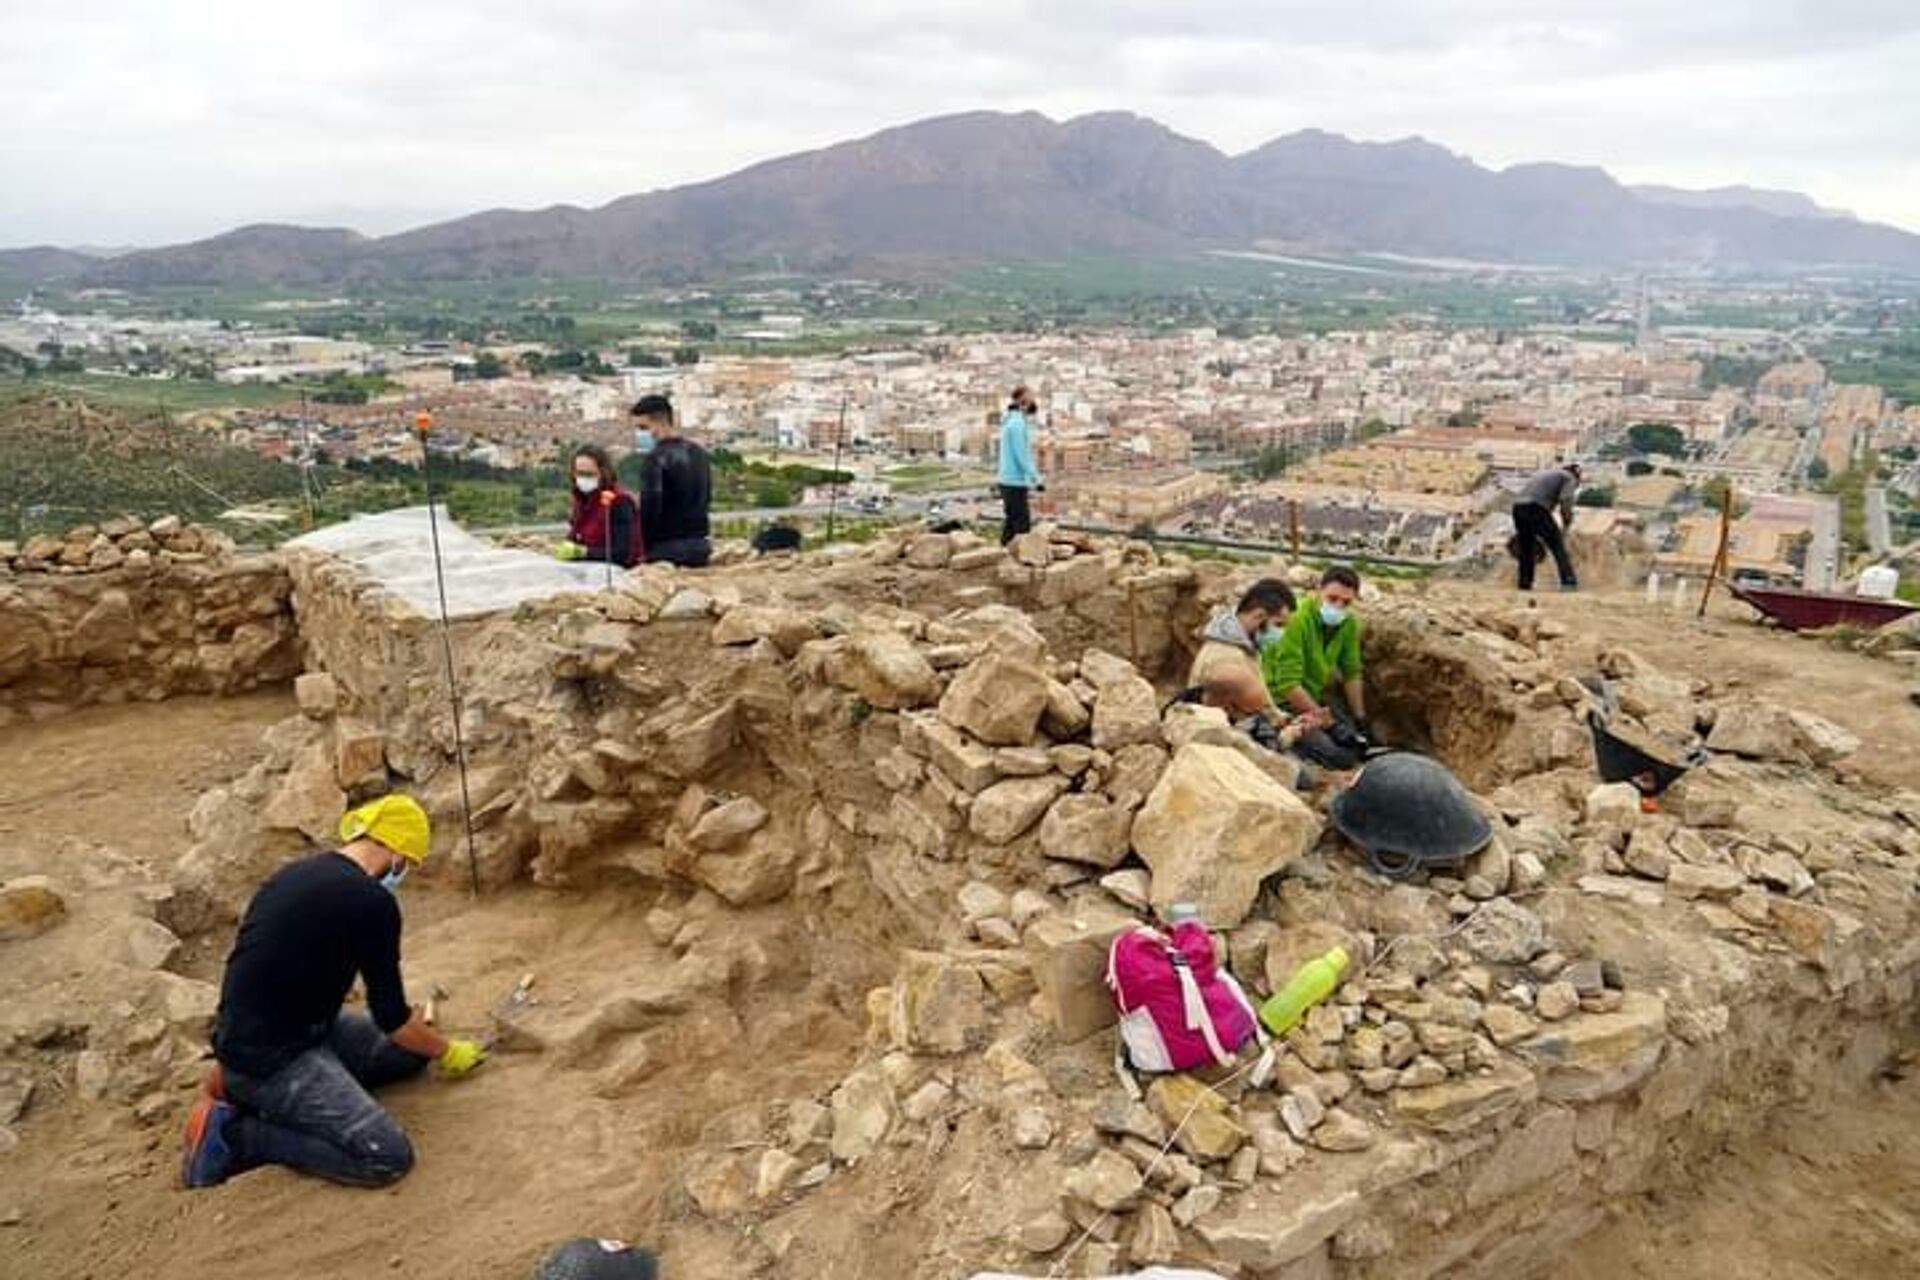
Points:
point(1313, 982)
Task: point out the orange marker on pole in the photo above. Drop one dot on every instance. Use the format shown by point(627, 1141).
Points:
point(422, 423)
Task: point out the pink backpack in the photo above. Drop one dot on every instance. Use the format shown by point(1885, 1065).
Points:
point(1178, 1009)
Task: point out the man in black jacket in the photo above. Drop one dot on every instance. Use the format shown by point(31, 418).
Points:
point(292, 1085)
point(1547, 492)
point(676, 488)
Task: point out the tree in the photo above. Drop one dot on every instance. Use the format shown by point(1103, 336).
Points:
point(686, 355)
point(641, 358)
point(1373, 428)
point(1716, 491)
point(1270, 462)
point(705, 330)
point(1599, 495)
point(1464, 418)
point(1818, 470)
point(1639, 467)
point(533, 362)
point(1658, 437)
point(487, 365)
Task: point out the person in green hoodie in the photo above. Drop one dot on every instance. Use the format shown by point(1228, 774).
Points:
point(1320, 645)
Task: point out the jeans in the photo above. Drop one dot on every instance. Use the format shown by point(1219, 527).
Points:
point(1018, 517)
point(1533, 524)
point(688, 553)
point(315, 1113)
point(1337, 747)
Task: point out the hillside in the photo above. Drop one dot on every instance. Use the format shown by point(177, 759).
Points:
point(71, 462)
point(987, 186)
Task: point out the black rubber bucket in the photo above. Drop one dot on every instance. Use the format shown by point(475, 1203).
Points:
point(1620, 761)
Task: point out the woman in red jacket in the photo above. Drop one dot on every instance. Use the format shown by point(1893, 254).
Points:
point(605, 520)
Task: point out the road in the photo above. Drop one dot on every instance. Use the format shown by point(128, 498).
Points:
point(1879, 530)
point(1823, 553)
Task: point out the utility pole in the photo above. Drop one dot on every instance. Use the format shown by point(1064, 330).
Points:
point(833, 488)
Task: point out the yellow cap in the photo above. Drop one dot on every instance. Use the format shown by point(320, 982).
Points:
point(396, 821)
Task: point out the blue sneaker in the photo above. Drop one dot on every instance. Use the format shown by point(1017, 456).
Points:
point(208, 1158)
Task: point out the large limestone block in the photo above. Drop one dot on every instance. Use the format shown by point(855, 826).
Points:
point(29, 906)
point(1126, 712)
point(744, 624)
point(1006, 810)
point(1462, 1105)
point(1069, 958)
point(938, 1006)
point(1086, 828)
point(1268, 1228)
point(309, 799)
point(1595, 1056)
point(1214, 828)
point(885, 668)
point(998, 699)
point(966, 763)
point(1768, 731)
point(864, 1111)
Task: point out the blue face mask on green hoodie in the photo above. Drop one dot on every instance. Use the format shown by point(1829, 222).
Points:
point(1332, 614)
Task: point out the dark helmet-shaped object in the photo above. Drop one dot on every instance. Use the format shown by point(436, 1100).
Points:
point(590, 1259)
point(1407, 812)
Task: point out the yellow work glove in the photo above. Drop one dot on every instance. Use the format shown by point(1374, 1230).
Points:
point(461, 1056)
point(569, 551)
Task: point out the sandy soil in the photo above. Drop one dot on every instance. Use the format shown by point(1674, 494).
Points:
point(1868, 696)
point(1829, 1194)
point(522, 1155)
point(528, 1152)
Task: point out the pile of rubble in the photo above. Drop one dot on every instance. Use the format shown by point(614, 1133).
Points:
point(109, 1020)
point(120, 543)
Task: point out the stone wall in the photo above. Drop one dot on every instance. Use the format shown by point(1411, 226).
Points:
point(946, 758)
point(143, 625)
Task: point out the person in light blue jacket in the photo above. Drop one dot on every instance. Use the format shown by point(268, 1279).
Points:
point(1019, 473)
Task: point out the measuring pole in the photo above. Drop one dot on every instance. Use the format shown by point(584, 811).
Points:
point(423, 424)
point(606, 521)
point(833, 489)
point(1719, 565)
point(306, 461)
point(1293, 526)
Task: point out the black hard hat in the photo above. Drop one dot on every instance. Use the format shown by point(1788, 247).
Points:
point(1406, 812)
point(590, 1259)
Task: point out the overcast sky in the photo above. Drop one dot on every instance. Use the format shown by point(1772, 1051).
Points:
point(135, 122)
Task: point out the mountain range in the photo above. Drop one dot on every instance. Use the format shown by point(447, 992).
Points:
point(995, 187)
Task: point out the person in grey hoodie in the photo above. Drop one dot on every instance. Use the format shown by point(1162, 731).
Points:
point(1236, 635)
point(1533, 524)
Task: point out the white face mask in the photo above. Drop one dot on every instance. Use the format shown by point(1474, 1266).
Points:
point(395, 874)
point(586, 484)
point(1332, 614)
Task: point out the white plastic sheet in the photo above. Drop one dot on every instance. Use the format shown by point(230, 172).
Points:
point(395, 548)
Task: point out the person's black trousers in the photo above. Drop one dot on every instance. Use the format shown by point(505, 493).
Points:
point(1534, 524)
point(1019, 516)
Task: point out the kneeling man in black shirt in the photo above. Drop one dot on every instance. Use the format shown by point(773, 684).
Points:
point(294, 1071)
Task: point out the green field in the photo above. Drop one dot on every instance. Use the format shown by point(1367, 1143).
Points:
point(178, 395)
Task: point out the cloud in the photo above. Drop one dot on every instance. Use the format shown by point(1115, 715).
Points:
point(133, 122)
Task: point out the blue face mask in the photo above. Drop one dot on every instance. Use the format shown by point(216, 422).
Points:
point(1332, 614)
point(1267, 635)
point(395, 874)
point(643, 441)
